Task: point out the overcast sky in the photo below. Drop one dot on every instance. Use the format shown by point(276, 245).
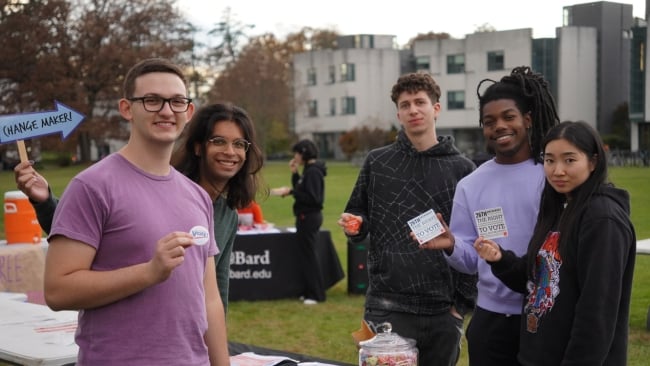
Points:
point(404, 20)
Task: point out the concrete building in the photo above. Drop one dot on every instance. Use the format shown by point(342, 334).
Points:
point(338, 90)
point(613, 23)
point(588, 66)
point(576, 91)
point(639, 104)
point(458, 65)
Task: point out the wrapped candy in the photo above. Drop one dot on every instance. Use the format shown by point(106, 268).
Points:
point(388, 349)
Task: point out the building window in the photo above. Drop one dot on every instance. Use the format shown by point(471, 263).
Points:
point(348, 105)
point(311, 76)
point(332, 106)
point(455, 64)
point(455, 99)
point(567, 16)
point(312, 108)
point(422, 63)
point(347, 72)
point(332, 74)
point(495, 60)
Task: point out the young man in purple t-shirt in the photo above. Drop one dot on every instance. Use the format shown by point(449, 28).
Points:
point(132, 242)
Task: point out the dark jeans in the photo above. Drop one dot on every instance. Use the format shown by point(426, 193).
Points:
point(493, 339)
point(437, 336)
point(307, 228)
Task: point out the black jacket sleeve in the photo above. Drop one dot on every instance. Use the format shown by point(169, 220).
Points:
point(605, 253)
point(45, 211)
point(511, 270)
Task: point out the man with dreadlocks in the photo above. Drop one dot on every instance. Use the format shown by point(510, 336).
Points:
point(515, 114)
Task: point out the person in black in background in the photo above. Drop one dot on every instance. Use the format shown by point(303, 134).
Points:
point(308, 190)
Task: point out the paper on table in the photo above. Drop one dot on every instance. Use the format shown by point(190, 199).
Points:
point(254, 359)
point(33, 334)
point(255, 231)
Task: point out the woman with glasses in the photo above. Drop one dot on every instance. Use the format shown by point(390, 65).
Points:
point(218, 150)
point(308, 190)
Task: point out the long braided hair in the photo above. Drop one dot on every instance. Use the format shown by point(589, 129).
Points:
point(531, 93)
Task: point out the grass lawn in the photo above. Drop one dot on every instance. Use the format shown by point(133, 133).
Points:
point(324, 330)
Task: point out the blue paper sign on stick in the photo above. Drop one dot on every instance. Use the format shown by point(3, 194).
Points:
point(17, 127)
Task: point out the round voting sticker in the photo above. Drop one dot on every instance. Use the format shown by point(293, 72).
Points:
point(200, 235)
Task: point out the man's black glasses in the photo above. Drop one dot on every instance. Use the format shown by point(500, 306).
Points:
point(154, 103)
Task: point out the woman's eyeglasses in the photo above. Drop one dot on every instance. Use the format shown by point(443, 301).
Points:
point(222, 144)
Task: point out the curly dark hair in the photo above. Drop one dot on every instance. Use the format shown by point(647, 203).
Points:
point(415, 82)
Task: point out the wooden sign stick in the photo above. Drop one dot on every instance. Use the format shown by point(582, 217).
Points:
point(22, 151)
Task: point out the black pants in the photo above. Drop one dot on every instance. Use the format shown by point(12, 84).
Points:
point(493, 338)
point(307, 228)
point(437, 336)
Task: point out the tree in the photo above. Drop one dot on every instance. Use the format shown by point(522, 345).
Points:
point(349, 143)
point(324, 39)
point(209, 60)
point(260, 81)
point(364, 139)
point(77, 52)
point(229, 31)
point(427, 36)
point(108, 37)
point(30, 63)
point(311, 39)
point(32, 75)
point(485, 27)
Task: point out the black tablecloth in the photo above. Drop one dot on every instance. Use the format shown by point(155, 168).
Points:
point(266, 266)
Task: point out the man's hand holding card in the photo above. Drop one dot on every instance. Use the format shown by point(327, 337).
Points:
point(430, 231)
point(491, 223)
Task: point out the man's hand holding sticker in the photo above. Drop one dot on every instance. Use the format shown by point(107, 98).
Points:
point(427, 227)
point(444, 241)
point(491, 223)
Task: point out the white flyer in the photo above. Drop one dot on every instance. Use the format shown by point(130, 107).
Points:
point(426, 226)
point(491, 223)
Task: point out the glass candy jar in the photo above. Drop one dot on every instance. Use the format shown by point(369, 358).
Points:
point(388, 349)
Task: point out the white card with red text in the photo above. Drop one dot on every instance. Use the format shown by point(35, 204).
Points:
point(426, 226)
point(490, 223)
